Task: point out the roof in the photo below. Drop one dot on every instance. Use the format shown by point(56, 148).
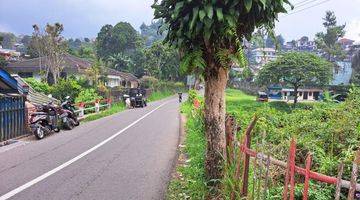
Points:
point(72, 64)
point(7, 83)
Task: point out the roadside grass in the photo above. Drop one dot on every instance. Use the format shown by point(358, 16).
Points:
point(120, 106)
point(158, 95)
point(189, 181)
point(115, 108)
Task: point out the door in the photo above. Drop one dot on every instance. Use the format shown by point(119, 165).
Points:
point(306, 95)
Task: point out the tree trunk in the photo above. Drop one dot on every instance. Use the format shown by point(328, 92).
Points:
point(296, 94)
point(215, 83)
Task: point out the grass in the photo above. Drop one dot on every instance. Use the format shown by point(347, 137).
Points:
point(115, 108)
point(190, 183)
point(320, 128)
point(120, 106)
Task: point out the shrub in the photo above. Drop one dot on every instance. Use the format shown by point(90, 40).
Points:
point(66, 87)
point(149, 82)
point(38, 86)
point(87, 95)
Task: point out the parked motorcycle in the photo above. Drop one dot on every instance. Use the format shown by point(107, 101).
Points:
point(44, 121)
point(68, 115)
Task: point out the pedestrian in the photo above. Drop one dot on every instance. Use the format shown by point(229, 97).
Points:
point(180, 97)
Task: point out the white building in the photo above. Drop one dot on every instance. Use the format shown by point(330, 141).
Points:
point(264, 55)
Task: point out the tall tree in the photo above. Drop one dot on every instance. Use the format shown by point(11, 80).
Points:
point(296, 69)
point(162, 62)
point(8, 40)
point(105, 43)
point(327, 41)
point(212, 33)
point(51, 47)
point(120, 39)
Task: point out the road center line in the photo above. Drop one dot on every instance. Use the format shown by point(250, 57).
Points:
point(53, 171)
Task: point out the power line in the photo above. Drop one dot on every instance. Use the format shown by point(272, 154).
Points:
point(303, 2)
point(309, 7)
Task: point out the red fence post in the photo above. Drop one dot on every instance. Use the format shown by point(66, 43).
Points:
point(307, 177)
point(290, 172)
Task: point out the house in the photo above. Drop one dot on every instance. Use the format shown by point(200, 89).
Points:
point(264, 55)
point(346, 43)
point(9, 54)
point(12, 108)
point(73, 67)
point(308, 94)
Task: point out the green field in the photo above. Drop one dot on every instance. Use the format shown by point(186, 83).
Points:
point(330, 131)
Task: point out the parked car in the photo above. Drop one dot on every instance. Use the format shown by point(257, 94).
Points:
point(262, 97)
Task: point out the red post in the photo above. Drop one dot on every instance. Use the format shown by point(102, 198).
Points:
point(290, 172)
point(307, 177)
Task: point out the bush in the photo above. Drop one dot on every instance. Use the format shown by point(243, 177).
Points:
point(149, 82)
point(66, 87)
point(87, 95)
point(38, 86)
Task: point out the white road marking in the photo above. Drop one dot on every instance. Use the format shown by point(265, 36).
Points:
point(53, 171)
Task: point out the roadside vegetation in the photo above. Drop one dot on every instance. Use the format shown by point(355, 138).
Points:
point(329, 131)
point(190, 180)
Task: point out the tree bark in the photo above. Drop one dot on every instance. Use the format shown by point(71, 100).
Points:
point(215, 83)
point(296, 94)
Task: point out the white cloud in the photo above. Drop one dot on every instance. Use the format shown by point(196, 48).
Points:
point(353, 29)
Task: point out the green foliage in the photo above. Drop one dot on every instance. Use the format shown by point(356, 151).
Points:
point(214, 26)
point(66, 87)
point(39, 86)
point(87, 95)
point(111, 40)
point(328, 41)
point(296, 69)
point(115, 108)
point(162, 62)
point(8, 40)
point(151, 32)
point(148, 82)
point(355, 76)
point(3, 62)
point(192, 184)
point(329, 131)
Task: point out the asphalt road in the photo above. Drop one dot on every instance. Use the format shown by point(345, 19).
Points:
point(129, 155)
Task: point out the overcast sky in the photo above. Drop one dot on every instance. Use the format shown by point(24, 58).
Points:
point(84, 18)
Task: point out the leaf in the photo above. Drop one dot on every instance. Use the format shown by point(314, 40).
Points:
point(195, 15)
point(263, 2)
point(219, 14)
point(202, 14)
point(248, 5)
point(209, 11)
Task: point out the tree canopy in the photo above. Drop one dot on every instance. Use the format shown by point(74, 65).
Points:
point(112, 40)
point(210, 33)
point(328, 41)
point(355, 77)
point(296, 69)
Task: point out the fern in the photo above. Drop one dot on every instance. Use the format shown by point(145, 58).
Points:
point(192, 62)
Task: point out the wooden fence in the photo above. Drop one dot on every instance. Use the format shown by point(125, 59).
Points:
point(240, 153)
